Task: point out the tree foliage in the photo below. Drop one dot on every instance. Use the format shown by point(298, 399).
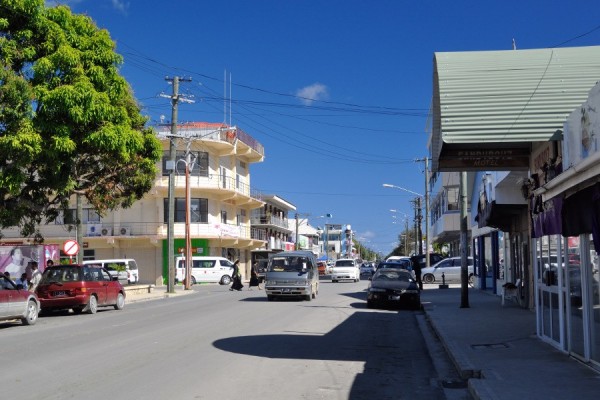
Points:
point(69, 123)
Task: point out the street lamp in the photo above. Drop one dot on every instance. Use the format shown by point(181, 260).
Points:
point(426, 198)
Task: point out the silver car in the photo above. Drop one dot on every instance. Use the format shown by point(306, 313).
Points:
point(450, 268)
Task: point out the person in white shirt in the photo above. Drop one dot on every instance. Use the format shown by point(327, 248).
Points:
point(36, 276)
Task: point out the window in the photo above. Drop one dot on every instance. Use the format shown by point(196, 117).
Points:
point(224, 216)
point(452, 198)
point(199, 166)
point(69, 217)
point(198, 210)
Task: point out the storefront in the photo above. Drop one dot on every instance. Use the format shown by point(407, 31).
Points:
point(566, 228)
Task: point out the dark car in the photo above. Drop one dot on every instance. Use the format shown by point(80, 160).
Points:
point(393, 287)
point(82, 288)
point(434, 258)
point(401, 264)
point(17, 303)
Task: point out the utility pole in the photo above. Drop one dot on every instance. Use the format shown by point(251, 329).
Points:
point(464, 274)
point(416, 226)
point(171, 192)
point(428, 261)
point(419, 220)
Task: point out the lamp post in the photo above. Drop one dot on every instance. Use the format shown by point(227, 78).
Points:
point(405, 229)
point(426, 198)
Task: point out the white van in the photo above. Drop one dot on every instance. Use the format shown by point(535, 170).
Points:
point(205, 269)
point(125, 268)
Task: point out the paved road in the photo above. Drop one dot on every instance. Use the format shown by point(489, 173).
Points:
point(217, 344)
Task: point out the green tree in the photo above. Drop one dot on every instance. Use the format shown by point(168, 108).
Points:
point(69, 123)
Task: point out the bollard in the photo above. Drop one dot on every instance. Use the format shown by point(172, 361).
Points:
point(443, 285)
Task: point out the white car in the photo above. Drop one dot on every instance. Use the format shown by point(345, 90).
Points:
point(450, 268)
point(345, 269)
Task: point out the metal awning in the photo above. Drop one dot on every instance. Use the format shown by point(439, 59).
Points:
point(488, 106)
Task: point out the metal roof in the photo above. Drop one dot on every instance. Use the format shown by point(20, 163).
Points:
point(495, 99)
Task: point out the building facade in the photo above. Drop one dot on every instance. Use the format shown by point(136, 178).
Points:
point(221, 201)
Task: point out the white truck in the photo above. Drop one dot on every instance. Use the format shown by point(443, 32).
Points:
point(345, 269)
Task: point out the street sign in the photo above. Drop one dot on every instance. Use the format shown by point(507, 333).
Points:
point(71, 247)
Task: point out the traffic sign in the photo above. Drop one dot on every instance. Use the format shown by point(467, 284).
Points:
point(71, 247)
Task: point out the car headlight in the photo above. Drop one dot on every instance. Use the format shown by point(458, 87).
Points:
point(409, 291)
point(301, 283)
point(374, 289)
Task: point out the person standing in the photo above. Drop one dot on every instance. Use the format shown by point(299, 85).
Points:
point(254, 277)
point(237, 277)
point(416, 266)
point(36, 277)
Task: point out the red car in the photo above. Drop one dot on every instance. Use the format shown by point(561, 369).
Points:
point(17, 303)
point(82, 288)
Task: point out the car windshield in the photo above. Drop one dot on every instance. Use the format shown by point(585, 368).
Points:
point(344, 263)
point(405, 264)
point(390, 275)
point(288, 264)
point(61, 274)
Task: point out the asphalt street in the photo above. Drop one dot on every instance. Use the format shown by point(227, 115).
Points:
point(218, 344)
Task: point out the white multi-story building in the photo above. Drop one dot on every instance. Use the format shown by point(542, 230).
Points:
point(221, 201)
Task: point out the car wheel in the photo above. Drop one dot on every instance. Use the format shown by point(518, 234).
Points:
point(429, 278)
point(308, 297)
point(120, 302)
point(92, 305)
point(334, 281)
point(31, 314)
point(225, 280)
point(78, 310)
point(193, 280)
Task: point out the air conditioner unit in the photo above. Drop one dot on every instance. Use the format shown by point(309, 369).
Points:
point(124, 231)
point(106, 231)
point(94, 229)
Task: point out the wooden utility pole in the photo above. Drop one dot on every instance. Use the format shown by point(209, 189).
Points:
point(464, 272)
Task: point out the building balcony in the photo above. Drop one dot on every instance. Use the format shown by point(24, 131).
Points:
point(223, 188)
point(220, 139)
point(226, 235)
point(269, 221)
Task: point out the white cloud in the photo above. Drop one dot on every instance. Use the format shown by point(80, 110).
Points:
point(120, 5)
point(311, 93)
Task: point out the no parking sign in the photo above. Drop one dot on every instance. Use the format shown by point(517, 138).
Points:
point(71, 247)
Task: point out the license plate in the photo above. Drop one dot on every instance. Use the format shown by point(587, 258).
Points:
point(394, 297)
point(286, 290)
point(60, 293)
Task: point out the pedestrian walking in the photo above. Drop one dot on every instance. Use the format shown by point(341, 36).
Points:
point(237, 277)
point(36, 276)
point(416, 266)
point(254, 281)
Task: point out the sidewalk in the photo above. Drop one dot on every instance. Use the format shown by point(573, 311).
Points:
point(496, 349)
point(137, 293)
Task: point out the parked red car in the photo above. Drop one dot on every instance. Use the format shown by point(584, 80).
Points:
point(17, 303)
point(82, 288)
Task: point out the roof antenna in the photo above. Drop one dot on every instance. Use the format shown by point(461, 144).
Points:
point(514, 44)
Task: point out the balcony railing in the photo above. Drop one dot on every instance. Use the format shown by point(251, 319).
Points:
point(264, 219)
point(213, 181)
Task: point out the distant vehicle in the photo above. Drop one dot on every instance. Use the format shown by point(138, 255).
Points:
point(17, 303)
point(345, 269)
point(292, 274)
point(322, 266)
point(450, 267)
point(397, 258)
point(125, 268)
point(401, 264)
point(262, 268)
point(367, 269)
point(434, 258)
point(82, 288)
point(393, 287)
point(205, 269)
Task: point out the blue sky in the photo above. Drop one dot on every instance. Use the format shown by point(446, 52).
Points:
point(338, 92)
